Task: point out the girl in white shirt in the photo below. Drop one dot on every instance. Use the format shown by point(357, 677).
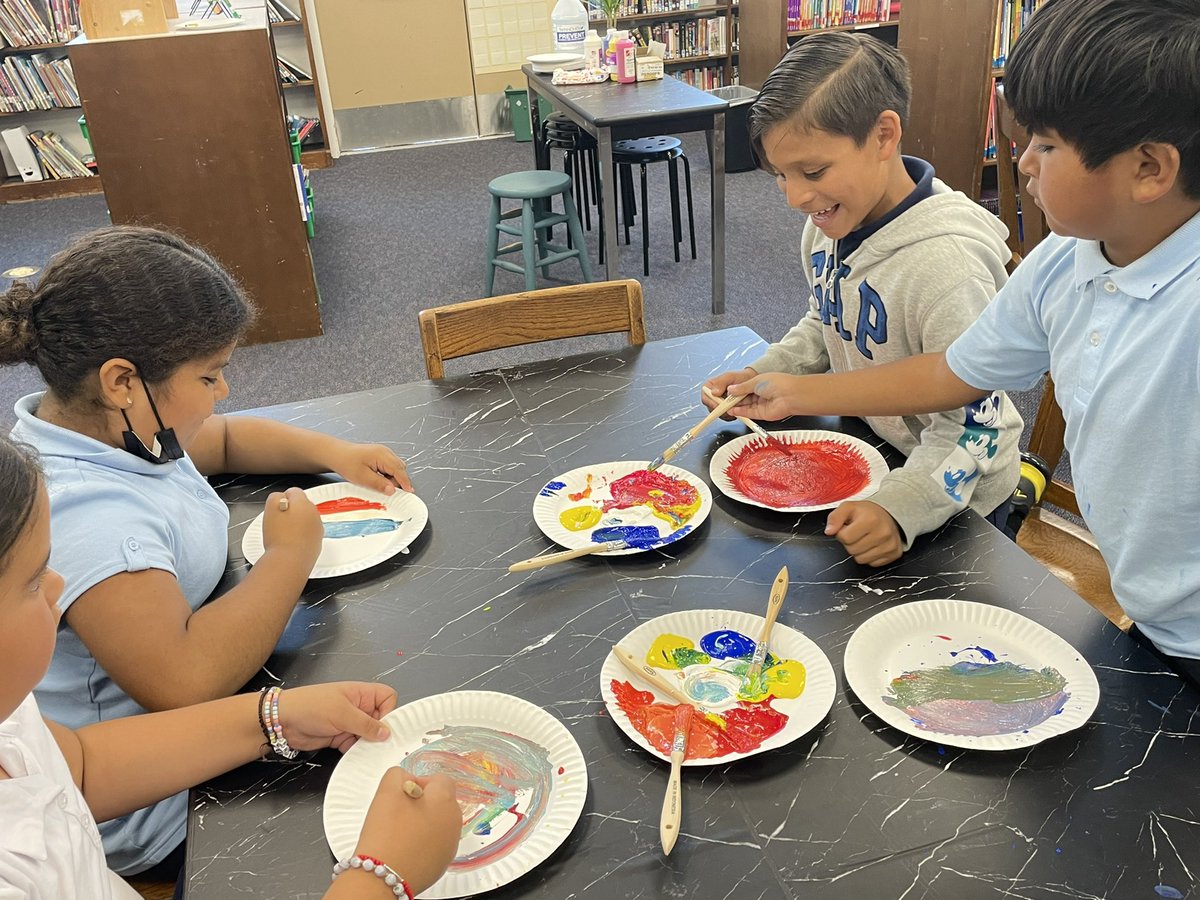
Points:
point(55, 784)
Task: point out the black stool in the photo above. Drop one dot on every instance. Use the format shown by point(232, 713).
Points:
point(580, 161)
point(641, 152)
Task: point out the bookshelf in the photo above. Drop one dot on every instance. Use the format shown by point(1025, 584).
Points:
point(38, 93)
point(766, 29)
point(291, 39)
point(699, 35)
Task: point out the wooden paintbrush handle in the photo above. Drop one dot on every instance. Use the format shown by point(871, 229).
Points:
point(723, 407)
point(749, 423)
point(668, 822)
point(550, 559)
point(647, 673)
point(774, 605)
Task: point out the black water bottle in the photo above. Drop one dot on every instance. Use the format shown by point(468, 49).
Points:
point(1035, 475)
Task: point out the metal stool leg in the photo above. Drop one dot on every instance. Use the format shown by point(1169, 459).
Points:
point(581, 195)
point(493, 244)
point(528, 243)
point(626, 180)
point(676, 222)
point(569, 169)
point(573, 227)
point(687, 174)
point(645, 226)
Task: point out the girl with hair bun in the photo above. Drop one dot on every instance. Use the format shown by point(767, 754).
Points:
point(131, 328)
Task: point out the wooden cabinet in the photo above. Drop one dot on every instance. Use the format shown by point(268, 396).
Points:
point(189, 133)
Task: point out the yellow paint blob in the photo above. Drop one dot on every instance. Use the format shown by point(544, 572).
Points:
point(673, 651)
point(579, 518)
point(676, 515)
point(785, 680)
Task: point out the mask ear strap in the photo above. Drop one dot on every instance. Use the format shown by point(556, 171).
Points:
point(153, 407)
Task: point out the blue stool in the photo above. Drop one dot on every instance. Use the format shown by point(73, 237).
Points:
point(535, 190)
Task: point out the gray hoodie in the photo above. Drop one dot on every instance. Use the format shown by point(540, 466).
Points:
point(906, 284)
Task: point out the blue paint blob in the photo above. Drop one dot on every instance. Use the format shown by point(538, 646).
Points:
point(982, 651)
point(360, 528)
point(727, 645)
point(1058, 849)
point(708, 692)
point(1165, 890)
point(552, 488)
point(941, 751)
point(677, 534)
point(640, 536)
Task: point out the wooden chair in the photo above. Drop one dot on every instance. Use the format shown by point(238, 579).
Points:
point(493, 323)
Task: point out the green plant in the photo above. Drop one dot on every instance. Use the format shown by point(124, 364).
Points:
point(610, 8)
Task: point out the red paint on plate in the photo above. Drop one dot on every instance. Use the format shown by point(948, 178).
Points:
point(813, 473)
point(347, 504)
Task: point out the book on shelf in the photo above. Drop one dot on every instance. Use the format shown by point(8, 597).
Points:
point(37, 81)
point(1011, 18)
point(26, 23)
point(40, 155)
point(804, 15)
point(300, 72)
point(642, 7)
point(696, 37)
point(306, 128)
point(277, 11)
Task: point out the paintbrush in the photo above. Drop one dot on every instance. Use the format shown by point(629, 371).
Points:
point(723, 407)
point(774, 605)
point(550, 559)
point(752, 425)
point(648, 673)
point(668, 823)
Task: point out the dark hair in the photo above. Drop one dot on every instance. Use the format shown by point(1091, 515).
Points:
point(125, 292)
point(21, 477)
point(1107, 75)
point(838, 82)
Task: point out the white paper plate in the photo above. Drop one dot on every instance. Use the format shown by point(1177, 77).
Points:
point(804, 712)
point(724, 455)
point(341, 556)
point(414, 727)
point(548, 62)
point(929, 635)
point(554, 499)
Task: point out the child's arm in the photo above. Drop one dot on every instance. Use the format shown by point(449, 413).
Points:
point(126, 764)
point(919, 384)
point(180, 657)
point(255, 446)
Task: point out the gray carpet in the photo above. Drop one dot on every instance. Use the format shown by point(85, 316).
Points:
point(404, 230)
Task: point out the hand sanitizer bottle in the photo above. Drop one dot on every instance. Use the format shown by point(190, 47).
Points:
point(593, 50)
point(569, 21)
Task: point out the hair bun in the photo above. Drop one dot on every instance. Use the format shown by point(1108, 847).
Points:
point(18, 336)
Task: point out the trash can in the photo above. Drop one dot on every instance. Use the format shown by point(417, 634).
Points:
point(738, 155)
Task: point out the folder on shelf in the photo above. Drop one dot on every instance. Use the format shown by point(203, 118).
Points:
point(17, 141)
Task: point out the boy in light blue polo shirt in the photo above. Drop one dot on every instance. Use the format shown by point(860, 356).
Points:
point(1109, 305)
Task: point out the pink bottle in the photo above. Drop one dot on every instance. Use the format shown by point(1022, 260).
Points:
point(626, 60)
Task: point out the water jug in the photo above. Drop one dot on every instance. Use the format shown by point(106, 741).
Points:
point(569, 21)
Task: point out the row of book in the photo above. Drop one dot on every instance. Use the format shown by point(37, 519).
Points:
point(278, 12)
point(641, 7)
point(307, 129)
point(706, 78)
point(37, 81)
point(804, 15)
point(290, 72)
point(40, 155)
point(697, 37)
point(991, 148)
point(1011, 18)
point(26, 23)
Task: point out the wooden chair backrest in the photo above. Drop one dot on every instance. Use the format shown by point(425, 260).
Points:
point(493, 323)
point(1026, 230)
point(1046, 440)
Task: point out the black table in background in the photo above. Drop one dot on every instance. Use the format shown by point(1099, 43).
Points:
point(615, 112)
point(855, 809)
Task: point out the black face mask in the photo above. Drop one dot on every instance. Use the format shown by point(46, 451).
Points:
point(166, 446)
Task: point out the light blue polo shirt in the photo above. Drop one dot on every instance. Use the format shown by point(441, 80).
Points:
point(111, 512)
point(1123, 347)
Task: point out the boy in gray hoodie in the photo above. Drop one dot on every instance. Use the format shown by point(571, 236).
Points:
point(899, 264)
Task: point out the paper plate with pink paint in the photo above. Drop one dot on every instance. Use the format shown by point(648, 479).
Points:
point(969, 675)
point(521, 783)
point(622, 501)
point(803, 471)
point(362, 527)
point(707, 652)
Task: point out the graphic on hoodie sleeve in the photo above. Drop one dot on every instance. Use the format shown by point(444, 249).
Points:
point(976, 446)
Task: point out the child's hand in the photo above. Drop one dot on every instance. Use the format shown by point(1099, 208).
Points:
point(867, 531)
point(291, 521)
point(418, 838)
point(720, 383)
point(372, 466)
point(334, 715)
point(768, 396)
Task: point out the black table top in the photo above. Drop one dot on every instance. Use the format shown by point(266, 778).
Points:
point(855, 809)
point(610, 103)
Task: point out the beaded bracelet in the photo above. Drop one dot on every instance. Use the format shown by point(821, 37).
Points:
point(268, 718)
point(376, 867)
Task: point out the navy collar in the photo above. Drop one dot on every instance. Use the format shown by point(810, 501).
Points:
point(919, 171)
